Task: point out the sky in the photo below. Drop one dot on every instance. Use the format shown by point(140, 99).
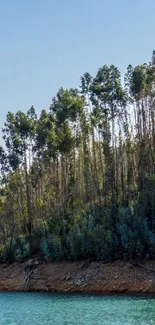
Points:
point(46, 44)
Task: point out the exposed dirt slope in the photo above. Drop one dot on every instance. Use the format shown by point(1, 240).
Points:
point(80, 277)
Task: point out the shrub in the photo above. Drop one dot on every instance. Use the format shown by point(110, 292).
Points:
point(51, 248)
point(21, 248)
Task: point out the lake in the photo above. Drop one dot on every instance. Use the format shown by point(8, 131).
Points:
point(69, 309)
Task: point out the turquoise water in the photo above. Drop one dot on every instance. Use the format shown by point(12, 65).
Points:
point(55, 309)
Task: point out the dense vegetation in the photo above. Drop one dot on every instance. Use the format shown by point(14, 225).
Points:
point(78, 181)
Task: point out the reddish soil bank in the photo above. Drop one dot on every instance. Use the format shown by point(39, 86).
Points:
point(95, 277)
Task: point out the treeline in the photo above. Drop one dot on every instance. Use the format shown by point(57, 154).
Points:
point(78, 181)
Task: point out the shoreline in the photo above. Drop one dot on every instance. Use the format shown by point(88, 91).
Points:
point(119, 277)
point(149, 295)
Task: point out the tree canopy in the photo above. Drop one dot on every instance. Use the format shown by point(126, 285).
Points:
point(78, 181)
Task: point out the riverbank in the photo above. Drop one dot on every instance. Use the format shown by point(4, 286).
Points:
point(96, 277)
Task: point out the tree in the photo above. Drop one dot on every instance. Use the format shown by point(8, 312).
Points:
point(78, 181)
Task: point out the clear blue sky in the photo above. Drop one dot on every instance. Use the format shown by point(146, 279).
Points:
point(46, 44)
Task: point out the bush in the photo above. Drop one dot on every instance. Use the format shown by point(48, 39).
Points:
point(135, 235)
point(40, 229)
point(87, 240)
point(75, 243)
point(21, 248)
point(51, 248)
point(88, 234)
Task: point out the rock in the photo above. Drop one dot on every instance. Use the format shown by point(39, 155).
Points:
point(68, 277)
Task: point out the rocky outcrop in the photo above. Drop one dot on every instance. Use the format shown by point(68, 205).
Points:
point(79, 277)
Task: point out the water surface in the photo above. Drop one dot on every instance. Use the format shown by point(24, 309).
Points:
point(56, 309)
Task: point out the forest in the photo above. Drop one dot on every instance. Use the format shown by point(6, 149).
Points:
point(78, 181)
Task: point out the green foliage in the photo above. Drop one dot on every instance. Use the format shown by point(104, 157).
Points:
point(78, 181)
point(136, 238)
point(40, 229)
point(21, 248)
point(51, 248)
point(15, 250)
